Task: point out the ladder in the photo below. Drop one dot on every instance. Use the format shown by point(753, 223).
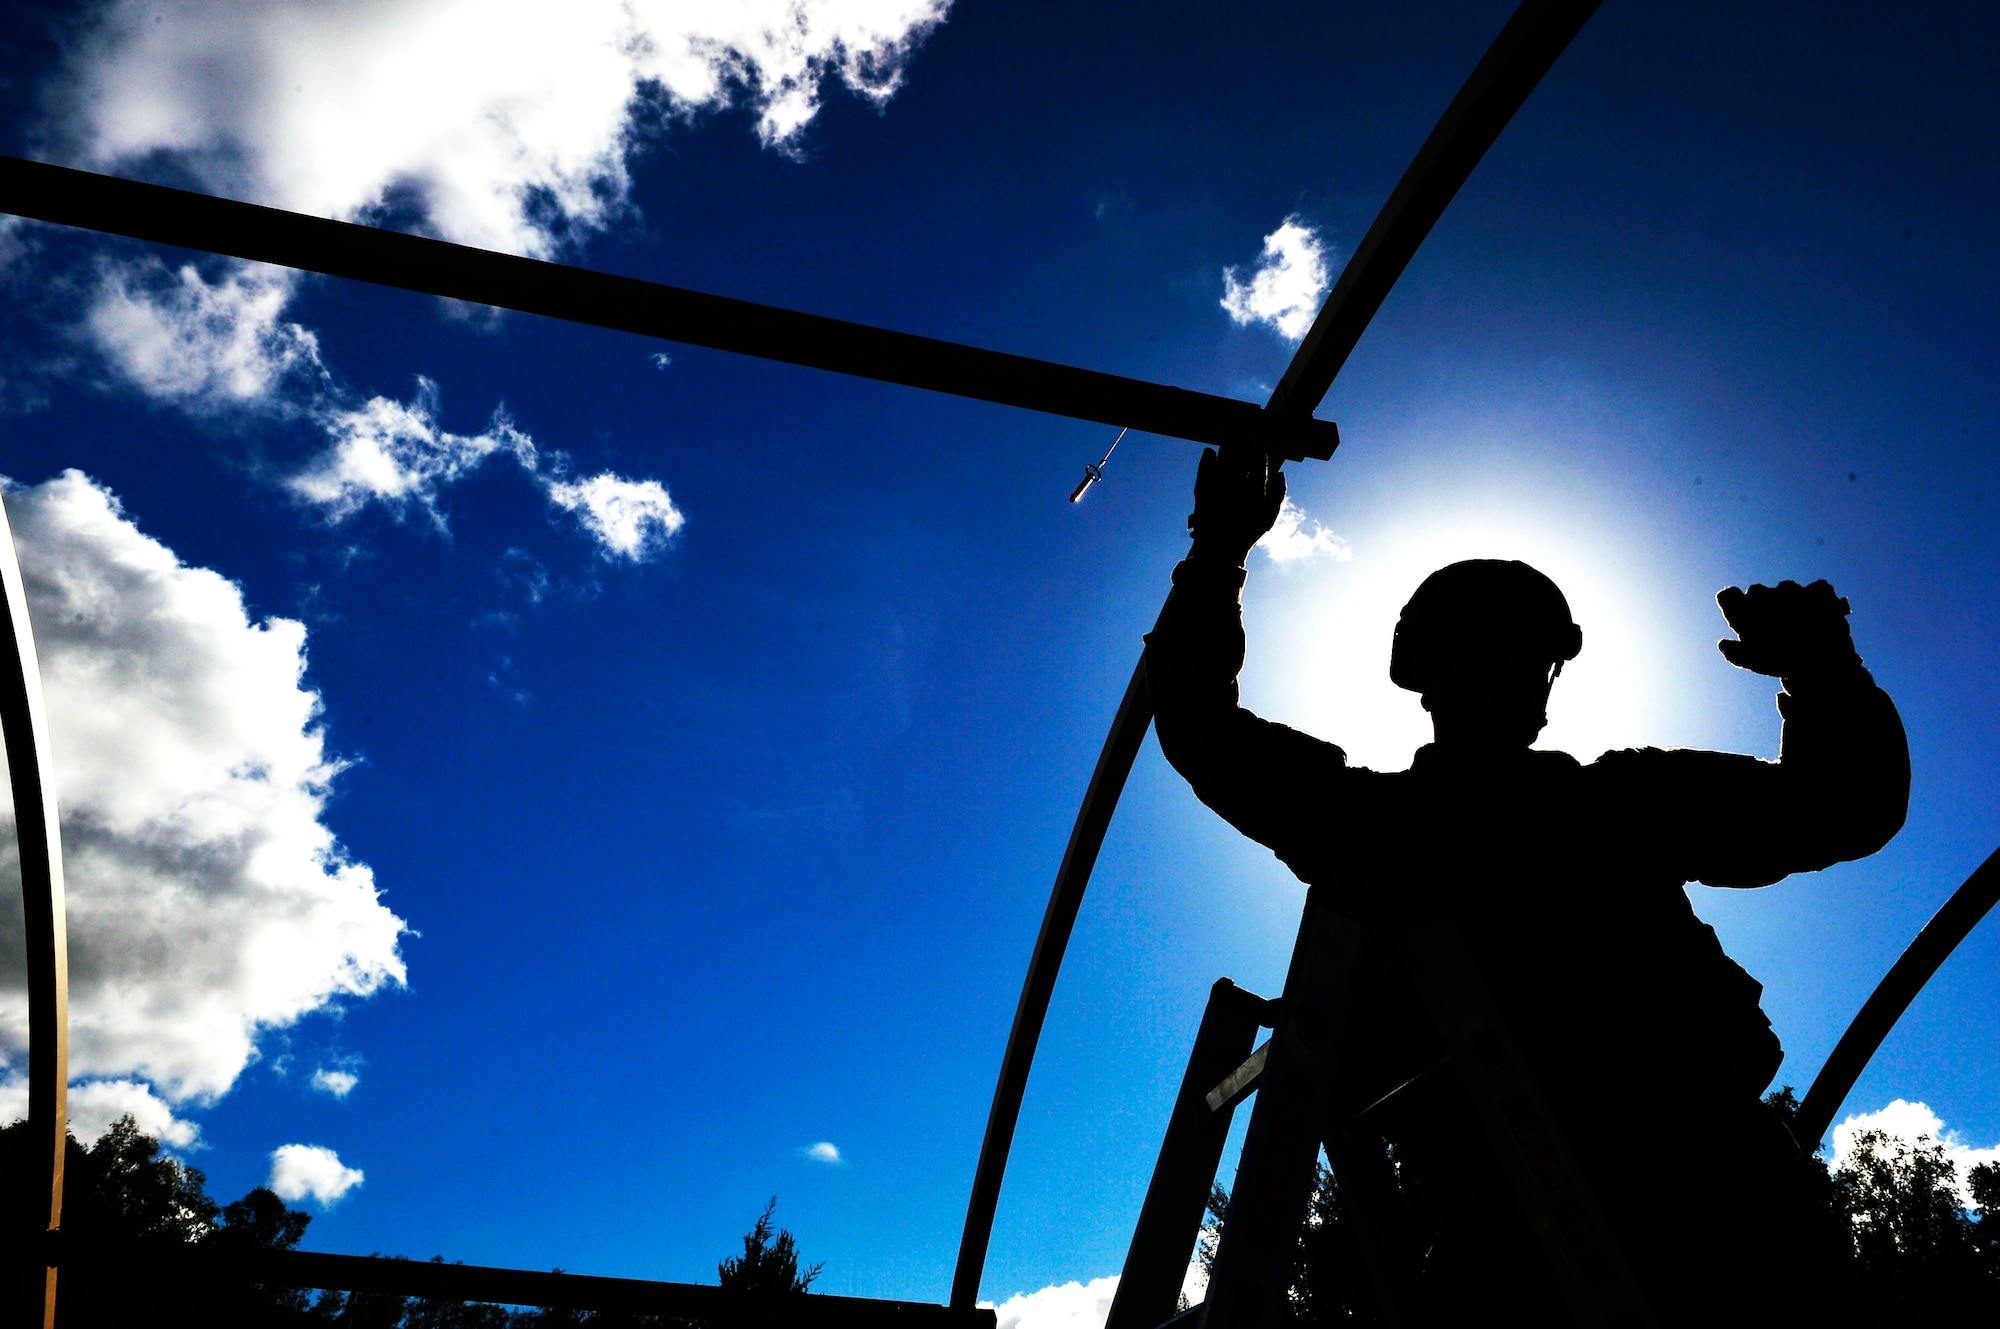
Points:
point(1302, 1100)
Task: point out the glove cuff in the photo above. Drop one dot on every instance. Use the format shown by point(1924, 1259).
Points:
point(1202, 569)
point(1829, 678)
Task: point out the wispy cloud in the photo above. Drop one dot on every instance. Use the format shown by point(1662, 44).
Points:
point(824, 1152)
point(209, 902)
point(397, 455)
point(1288, 540)
point(207, 345)
point(1284, 288)
point(311, 1171)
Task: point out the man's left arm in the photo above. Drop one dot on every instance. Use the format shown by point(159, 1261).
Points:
point(1841, 785)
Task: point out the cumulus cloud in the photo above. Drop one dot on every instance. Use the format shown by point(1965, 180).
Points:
point(334, 1081)
point(301, 1171)
point(1911, 1122)
point(1288, 540)
point(1064, 1306)
point(396, 454)
point(823, 1152)
point(208, 900)
point(506, 125)
point(1284, 289)
point(629, 519)
point(95, 1104)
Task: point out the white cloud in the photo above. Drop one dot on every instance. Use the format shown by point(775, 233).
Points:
point(95, 1104)
point(1285, 288)
point(823, 1152)
point(502, 124)
point(1064, 1306)
point(1194, 1283)
point(302, 1170)
point(1288, 540)
point(629, 519)
point(1911, 1122)
point(336, 1082)
point(208, 901)
point(206, 345)
point(396, 454)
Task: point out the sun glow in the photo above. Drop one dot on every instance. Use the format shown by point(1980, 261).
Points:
point(1320, 646)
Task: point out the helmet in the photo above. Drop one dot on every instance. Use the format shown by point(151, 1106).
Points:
point(1485, 605)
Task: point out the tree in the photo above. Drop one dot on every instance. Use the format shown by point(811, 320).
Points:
point(769, 1262)
point(1923, 1256)
point(124, 1189)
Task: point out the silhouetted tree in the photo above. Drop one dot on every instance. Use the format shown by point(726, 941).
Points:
point(1923, 1258)
point(124, 1189)
point(769, 1262)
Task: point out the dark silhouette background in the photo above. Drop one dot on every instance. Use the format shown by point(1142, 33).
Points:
point(1922, 1259)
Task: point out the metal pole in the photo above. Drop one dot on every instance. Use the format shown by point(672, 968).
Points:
point(1539, 31)
point(1114, 763)
point(24, 726)
point(434, 267)
point(1899, 987)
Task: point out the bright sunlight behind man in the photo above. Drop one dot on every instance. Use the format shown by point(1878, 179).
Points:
point(1330, 675)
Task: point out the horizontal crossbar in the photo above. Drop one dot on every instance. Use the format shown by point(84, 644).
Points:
point(162, 215)
point(213, 1262)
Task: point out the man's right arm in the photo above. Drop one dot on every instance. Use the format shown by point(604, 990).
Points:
point(1265, 779)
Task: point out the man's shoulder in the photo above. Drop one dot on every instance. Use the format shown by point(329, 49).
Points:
point(1622, 764)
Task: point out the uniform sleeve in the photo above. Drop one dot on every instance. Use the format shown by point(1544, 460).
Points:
point(1269, 781)
point(1838, 791)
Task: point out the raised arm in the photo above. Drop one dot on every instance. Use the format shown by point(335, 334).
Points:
point(1258, 775)
point(1841, 785)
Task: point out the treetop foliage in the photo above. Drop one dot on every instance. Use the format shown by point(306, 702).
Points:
point(123, 1188)
point(1923, 1257)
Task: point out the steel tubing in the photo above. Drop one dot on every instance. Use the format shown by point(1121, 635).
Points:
point(1948, 927)
point(25, 729)
point(683, 1303)
point(161, 215)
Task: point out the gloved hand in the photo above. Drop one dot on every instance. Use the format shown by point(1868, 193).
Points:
point(1237, 494)
point(1788, 630)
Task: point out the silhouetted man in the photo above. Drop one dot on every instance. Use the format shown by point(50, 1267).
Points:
point(1566, 882)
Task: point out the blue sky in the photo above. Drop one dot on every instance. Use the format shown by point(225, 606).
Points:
point(729, 835)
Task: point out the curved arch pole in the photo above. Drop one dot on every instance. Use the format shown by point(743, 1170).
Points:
point(1539, 31)
point(24, 726)
point(1948, 927)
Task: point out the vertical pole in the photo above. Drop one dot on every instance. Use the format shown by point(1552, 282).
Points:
point(24, 726)
point(1170, 1220)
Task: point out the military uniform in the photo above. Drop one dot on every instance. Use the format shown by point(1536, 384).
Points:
point(1567, 882)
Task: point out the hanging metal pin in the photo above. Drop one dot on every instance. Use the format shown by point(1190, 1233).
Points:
point(1093, 471)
